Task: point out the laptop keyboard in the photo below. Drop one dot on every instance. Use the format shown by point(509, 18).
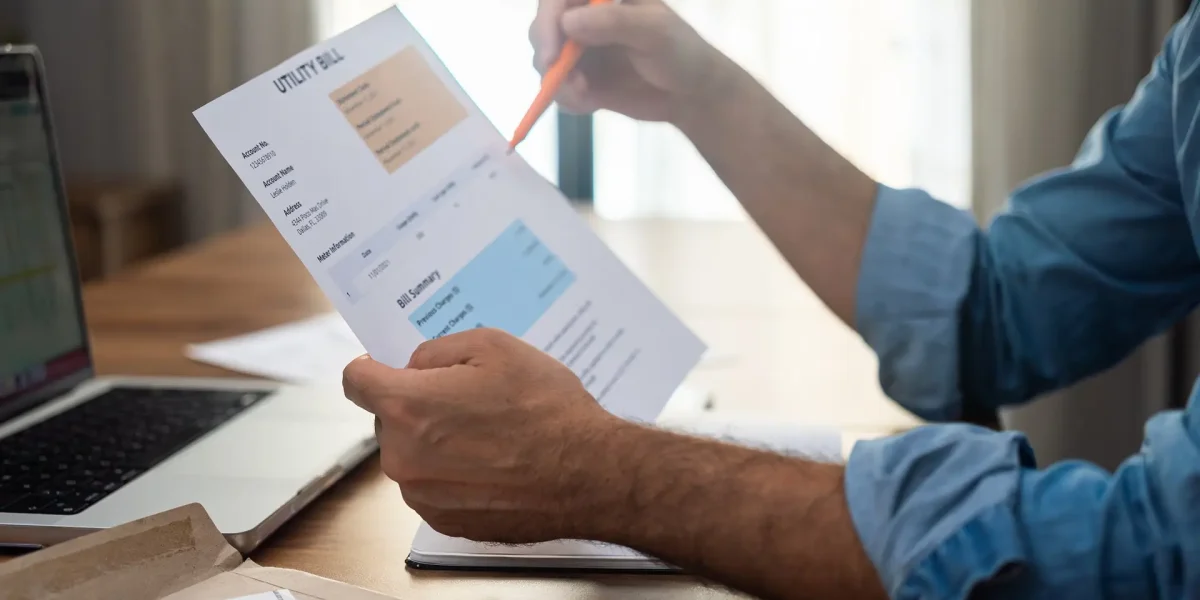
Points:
point(69, 462)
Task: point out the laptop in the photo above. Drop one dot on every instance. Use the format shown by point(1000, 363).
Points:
point(79, 453)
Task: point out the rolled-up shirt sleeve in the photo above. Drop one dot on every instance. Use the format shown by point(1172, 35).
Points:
point(947, 511)
point(1083, 265)
point(914, 280)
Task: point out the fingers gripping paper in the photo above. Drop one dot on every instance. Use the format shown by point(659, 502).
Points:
point(402, 201)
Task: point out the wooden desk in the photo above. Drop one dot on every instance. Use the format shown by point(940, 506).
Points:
point(784, 356)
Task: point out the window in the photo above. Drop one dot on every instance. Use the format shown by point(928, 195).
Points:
point(885, 82)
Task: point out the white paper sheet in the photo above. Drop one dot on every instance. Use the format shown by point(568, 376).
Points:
point(401, 200)
point(275, 595)
point(312, 351)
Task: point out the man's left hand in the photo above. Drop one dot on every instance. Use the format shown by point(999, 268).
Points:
point(489, 438)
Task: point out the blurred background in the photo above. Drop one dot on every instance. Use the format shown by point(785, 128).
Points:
point(965, 98)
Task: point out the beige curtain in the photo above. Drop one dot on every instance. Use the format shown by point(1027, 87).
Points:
point(1042, 73)
point(125, 76)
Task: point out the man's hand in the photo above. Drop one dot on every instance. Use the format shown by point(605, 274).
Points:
point(646, 62)
point(492, 440)
point(489, 438)
point(642, 59)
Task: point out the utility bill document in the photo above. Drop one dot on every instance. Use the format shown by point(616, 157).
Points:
point(402, 200)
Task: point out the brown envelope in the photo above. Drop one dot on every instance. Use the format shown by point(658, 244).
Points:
point(178, 554)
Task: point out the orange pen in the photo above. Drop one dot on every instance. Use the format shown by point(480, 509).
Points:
point(551, 82)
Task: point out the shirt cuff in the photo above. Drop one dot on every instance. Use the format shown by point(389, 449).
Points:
point(915, 274)
point(935, 509)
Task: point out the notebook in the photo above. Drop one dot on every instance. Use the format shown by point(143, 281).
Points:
point(434, 551)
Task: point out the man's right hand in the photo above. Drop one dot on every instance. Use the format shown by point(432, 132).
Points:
point(643, 60)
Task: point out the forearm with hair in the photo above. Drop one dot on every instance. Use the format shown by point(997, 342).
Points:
point(812, 203)
point(762, 523)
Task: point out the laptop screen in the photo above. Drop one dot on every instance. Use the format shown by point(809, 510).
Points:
point(42, 337)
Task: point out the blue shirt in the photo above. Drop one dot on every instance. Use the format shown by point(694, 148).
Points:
point(1083, 265)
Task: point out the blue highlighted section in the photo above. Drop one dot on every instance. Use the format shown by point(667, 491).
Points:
point(508, 286)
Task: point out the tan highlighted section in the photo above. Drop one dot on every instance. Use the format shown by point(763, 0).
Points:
point(399, 108)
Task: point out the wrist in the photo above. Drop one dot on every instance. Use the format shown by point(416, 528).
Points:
point(603, 482)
